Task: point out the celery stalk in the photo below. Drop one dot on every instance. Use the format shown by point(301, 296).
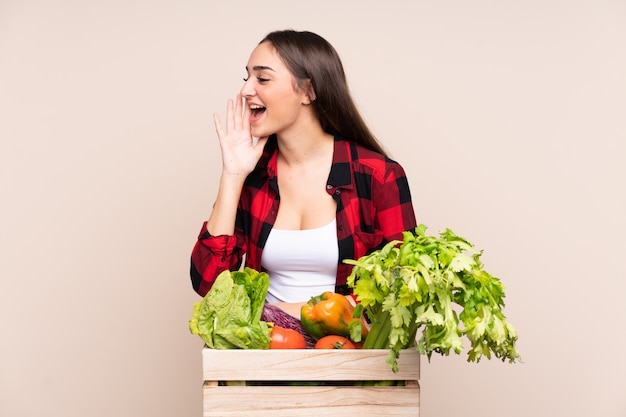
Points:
point(378, 336)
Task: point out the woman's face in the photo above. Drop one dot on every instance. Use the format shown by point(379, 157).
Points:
point(271, 93)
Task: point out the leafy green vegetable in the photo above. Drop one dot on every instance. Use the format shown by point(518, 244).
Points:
point(229, 315)
point(415, 284)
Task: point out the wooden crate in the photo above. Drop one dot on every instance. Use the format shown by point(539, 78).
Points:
point(337, 370)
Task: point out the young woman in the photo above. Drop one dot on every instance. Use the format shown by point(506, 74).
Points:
point(304, 183)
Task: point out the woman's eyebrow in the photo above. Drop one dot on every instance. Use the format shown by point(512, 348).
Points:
point(261, 68)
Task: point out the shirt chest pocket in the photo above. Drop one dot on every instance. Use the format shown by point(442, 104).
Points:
point(365, 242)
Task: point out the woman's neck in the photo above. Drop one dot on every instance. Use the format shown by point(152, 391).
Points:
point(305, 148)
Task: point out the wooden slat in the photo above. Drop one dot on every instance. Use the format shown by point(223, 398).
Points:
point(309, 401)
point(307, 365)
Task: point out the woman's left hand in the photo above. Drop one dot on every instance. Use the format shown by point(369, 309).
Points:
point(293, 309)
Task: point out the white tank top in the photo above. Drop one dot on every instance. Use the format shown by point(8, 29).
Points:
point(301, 263)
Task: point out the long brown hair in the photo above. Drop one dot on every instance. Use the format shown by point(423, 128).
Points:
point(310, 57)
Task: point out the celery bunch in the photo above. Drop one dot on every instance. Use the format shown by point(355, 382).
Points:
point(419, 283)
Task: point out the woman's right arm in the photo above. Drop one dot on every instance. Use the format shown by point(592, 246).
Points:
point(217, 247)
point(239, 157)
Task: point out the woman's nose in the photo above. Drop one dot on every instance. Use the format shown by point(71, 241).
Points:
point(247, 90)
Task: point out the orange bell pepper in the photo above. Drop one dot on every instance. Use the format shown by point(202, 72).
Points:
point(330, 314)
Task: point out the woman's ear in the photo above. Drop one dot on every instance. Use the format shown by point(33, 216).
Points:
point(309, 93)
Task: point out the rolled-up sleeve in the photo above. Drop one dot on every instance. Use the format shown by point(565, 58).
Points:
point(212, 255)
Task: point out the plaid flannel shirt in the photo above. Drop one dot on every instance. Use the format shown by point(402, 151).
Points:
point(373, 207)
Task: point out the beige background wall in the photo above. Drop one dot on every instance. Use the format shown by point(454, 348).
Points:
point(509, 117)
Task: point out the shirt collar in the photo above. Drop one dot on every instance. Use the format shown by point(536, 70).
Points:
point(340, 172)
point(269, 158)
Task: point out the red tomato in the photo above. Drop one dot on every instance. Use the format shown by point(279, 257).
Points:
point(335, 342)
point(282, 338)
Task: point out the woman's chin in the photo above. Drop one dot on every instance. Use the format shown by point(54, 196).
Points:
point(259, 133)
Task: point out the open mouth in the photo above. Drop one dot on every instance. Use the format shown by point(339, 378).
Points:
point(256, 112)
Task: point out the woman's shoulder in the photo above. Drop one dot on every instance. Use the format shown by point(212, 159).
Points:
point(364, 158)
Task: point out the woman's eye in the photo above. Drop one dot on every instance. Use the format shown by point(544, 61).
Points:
point(261, 80)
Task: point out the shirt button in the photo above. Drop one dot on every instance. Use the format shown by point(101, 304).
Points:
point(340, 227)
point(337, 192)
point(329, 187)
